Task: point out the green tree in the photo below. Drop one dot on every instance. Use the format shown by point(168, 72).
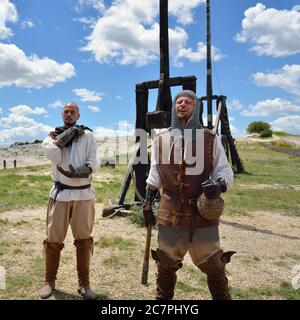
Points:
point(258, 127)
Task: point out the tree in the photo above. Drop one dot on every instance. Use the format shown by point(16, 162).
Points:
point(258, 127)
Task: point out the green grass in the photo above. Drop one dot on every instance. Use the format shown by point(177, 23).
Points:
point(19, 191)
point(116, 242)
point(284, 291)
point(283, 144)
point(266, 166)
point(243, 200)
point(115, 262)
point(284, 134)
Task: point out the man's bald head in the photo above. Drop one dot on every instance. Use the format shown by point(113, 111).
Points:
point(70, 113)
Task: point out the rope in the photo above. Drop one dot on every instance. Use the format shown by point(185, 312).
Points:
point(217, 78)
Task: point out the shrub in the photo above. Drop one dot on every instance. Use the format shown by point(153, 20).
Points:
point(258, 127)
point(266, 133)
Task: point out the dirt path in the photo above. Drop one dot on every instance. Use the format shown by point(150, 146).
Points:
point(267, 245)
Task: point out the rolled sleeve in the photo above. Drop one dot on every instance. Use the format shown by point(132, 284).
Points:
point(153, 177)
point(52, 151)
point(221, 167)
point(92, 152)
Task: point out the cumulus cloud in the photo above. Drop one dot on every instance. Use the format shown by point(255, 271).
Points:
point(96, 4)
point(8, 13)
point(30, 71)
point(270, 107)
point(56, 104)
point(286, 78)
point(88, 95)
point(16, 119)
point(94, 108)
point(122, 128)
point(199, 54)
point(26, 110)
point(183, 10)
point(289, 124)
point(235, 105)
point(36, 131)
point(272, 32)
point(128, 33)
point(27, 24)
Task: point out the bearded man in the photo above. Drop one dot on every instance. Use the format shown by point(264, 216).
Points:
point(181, 227)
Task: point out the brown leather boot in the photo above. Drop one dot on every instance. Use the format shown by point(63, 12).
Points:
point(217, 281)
point(52, 256)
point(166, 275)
point(84, 249)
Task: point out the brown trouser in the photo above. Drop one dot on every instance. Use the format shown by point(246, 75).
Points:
point(79, 214)
point(204, 249)
point(175, 243)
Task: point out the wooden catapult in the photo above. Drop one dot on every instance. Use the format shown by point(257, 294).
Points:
point(161, 117)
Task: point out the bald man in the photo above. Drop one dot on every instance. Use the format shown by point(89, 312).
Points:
point(72, 151)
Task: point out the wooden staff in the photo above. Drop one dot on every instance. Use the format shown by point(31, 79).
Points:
point(146, 256)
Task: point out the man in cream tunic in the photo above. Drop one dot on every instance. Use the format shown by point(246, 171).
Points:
point(72, 150)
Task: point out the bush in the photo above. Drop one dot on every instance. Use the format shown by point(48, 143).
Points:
point(258, 127)
point(267, 133)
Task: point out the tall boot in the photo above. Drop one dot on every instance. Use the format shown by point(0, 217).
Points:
point(217, 281)
point(84, 249)
point(52, 256)
point(166, 275)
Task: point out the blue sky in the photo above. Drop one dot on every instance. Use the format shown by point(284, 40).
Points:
point(95, 51)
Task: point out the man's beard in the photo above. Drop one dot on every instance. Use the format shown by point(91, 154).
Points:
point(69, 124)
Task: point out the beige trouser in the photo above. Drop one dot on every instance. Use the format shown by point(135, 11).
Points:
point(79, 214)
point(175, 243)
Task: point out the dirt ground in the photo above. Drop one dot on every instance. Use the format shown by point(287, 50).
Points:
point(267, 245)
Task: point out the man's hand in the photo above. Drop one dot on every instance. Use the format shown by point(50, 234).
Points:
point(149, 216)
point(213, 189)
point(73, 133)
point(79, 172)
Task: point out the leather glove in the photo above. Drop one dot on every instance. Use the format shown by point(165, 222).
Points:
point(211, 189)
point(66, 137)
point(149, 216)
point(79, 172)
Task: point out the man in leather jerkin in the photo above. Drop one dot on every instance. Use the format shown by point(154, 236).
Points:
point(72, 150)
point(183, 158)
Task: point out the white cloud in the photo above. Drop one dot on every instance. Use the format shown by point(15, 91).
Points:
point(27, 24)
point(8, 13)
point(20, 133)
point(16, 119)
point(122, 128)
point(96, 4)
point(199, 54)
point(88, 95)
point(270, 107)
point(272, 32)
point(296, 7)
point(128, 32)
point(289, 124)
point(183, 10)
point(235, 105)
point(1, 110)
point(94, 108)
point(286, 78)
point(118, 97)
point(56, 104)
point(26, 110)
point(30, 72)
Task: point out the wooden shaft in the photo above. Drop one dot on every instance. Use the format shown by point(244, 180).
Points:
point(146, 255)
